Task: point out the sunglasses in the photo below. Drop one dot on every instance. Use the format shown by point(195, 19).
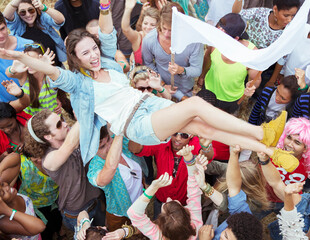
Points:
point(145, 88)
point(34, 45)
point(183, 135)
point(59, 124)
point(24, 12)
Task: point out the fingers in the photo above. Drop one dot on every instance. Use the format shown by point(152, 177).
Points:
point(203, 160)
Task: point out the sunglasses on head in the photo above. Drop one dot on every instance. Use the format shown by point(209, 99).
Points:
point(183, 135)
point(145, 88)
point(24, 11)
point(34, 45)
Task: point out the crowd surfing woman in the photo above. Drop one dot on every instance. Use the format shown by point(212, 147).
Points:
point(34, 83)
point(101, 94)
point(140, 80)
point(175, 221)
point(150, 20)
point(33, 20)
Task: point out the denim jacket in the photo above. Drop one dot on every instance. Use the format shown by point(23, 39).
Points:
point(82, 97)
point(18, 28)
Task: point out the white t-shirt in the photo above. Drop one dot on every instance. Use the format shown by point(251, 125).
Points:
point(273, 108)
point(298, 58)
point(132, 178)
point(114, 101)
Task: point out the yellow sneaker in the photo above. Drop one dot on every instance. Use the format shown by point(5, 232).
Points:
point(285, 160)
point(273, 130)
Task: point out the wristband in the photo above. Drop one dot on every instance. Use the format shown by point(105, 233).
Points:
point(10, 68)
point(263, 162)
point(305, 88)
point(162, 90)
point(189, 163)
point(20, 95)
point(148, 196)
point(206, 149)
point(45, 8)
point(126, 232)
point(12, 215)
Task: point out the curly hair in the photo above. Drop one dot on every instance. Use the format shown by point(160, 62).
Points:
point(175, 222)
point(245, 226)
point(301, 127)
point(7, 111)
point(31, 146)
point(253, 184)
point(73, 39)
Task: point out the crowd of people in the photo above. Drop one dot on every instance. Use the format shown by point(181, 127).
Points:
point(107, 134)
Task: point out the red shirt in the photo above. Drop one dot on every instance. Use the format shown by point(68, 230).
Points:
point(22, 118)
point(298, 175)
point(164, 156)
point(221, 151)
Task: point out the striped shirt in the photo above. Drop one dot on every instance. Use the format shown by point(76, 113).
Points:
point(47, 98)
point(302, 106)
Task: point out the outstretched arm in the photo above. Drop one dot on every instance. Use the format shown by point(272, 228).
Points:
point(31, 62)
point(106, 175)
point(272, 175)
point(57, 16)
point(105, 18)
point(237, 6)
point(233, 174)
point(132, 35)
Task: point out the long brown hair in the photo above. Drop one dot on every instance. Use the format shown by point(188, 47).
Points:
point(73, 39)
point(166, 13)
point(34, 87)
point(31, 146)
point(37, 22)
point(175, 222)
point(253, 184)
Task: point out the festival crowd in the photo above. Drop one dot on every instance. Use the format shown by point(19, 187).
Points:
point(105, 133)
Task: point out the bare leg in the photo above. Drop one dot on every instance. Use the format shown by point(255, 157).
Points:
point(198, 127)
point(169, 120)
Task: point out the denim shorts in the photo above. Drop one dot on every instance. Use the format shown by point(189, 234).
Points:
point(140, 128)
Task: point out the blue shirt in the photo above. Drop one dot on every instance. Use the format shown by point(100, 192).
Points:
point(236, 204)
point(18, 28)
point(82, 96)
point(4, 64)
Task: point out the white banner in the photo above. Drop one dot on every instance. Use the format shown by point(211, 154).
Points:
point(187, 30)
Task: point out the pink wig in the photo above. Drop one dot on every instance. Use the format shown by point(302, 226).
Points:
point(300, 126)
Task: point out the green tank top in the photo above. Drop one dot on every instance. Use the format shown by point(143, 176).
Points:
point(225, 80)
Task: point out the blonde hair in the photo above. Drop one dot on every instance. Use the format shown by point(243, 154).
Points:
point(253, 184)
point(151, 12)
point(139, 73)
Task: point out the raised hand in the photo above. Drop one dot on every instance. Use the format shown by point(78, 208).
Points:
point(115, 235)
point(37, 4)
point(18, 67)
point(294, 188)
point(206, 232)
point(11, 87)
point(249, 90)
point(186, 152)
point(48, 57)
point(154, 80)
point(200, 176)
point(163, 181)
point(235, 149)
point(300, 75)
point(161, 3)
point(202, 160)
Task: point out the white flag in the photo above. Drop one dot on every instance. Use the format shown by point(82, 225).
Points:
point(187, 30)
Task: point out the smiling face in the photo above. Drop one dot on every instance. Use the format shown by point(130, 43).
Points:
point(88, 53)
point(27, 13)
point(293, 143)
point(7, 193)
point(148, 24)
point(178, 142)
point(283, 16)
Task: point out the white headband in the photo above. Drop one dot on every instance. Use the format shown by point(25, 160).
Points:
point(32, 132)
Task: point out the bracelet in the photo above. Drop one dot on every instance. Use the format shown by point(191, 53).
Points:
point(190, 162)
point(263, 162)
point(305, 88)
point(12, 215)
point(210, 193)
point(11, 71)
point(207, 188)
point(162, 90)
point(20, 95)
point(148, 196)
point(206, 149)
point(130, 230)
point(105, 4)
point(104, 12)
point(45, 8)
point(84, 220)
point(124, 64)
point(126, 232)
